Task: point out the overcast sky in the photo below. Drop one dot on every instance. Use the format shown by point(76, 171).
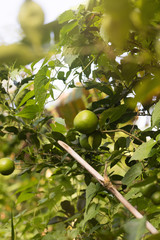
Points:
point(9, 27)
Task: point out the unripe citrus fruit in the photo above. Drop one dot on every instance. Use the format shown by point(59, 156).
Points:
point(85, 122)
point(95, 139)
point(158, 177)
point(156, 198)
point(149, 189)
point(83, 140)
point(7, 166)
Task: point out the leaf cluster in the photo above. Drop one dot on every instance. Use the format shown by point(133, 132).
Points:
point(113, 48)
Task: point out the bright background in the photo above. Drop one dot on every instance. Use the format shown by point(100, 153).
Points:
point(9, 9)
point(11, 32)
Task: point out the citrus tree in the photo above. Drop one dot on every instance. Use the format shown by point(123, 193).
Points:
point(113, 47)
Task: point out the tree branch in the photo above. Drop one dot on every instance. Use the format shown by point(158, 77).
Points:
point(122, 130)
point(105, 182)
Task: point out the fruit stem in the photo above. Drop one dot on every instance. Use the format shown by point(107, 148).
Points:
point(105, 182)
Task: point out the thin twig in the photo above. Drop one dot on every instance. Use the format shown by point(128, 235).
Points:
point(105, 182)
point(66, 85)
point(122, 130)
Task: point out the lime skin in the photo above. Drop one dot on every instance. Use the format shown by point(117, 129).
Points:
point(7, 166)
point(95, 139)
point(83, 140)
point(155, 198)
point(91, 141)
point(149, 189)
point(85, 121)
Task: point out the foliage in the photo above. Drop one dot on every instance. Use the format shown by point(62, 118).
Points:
point(112, 46)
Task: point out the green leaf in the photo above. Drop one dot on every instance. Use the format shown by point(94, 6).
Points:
point(23, 87)
point(57, 136)
point(146, 181)
point(69, 58)
point(67, 28)
point(129, 70)
point(143, 150)
point(113, 114)
point(148, 10)
point(106, 63)
point(56, 219)
point(100, 86)
point(40, 89)
point(156, 115)
point(24, 196)
point(132, 173)
point(91, 191)
point(61, 75)
point(60, 121)
point(27, 96)
point(66, 16)
point(29, 112)
point(30, 185)
point(135, 229)
point(11, 129)
point(91, 213)
point(59, 125)
point(133, 193)
point(158, 138)
point(68, 207)
point(154, 237)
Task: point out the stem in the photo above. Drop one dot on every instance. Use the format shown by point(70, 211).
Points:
point(105, 182)
point(122, 130)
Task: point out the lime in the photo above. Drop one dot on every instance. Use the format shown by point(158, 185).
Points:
point(158, 176)
point(85, 122)
point(149, 189)
point(95, 139)
point(83, 140)
point(7, 166)
point(156, 198)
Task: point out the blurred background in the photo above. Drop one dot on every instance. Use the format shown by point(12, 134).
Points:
point(10, 30)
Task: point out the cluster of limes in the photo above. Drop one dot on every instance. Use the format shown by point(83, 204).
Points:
point(152, 191)
point(86, 122)
point(7, 166)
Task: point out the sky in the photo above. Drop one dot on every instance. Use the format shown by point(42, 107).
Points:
point(9, 26)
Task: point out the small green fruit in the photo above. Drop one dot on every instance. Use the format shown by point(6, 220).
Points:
point(85, 122)
point(158, 177)
point(7, 166)
point(155, 198)
point(95, 140)
point(83, 140)
point(149, 189)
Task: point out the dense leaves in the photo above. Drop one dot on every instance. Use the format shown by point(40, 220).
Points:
point(108, 48)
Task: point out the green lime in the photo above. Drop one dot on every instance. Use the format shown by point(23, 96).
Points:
point(156, 198)
point(83, 140)
point(95, 139)
point(158, 176)
point(7, 166)
point(85, 122)
point(149, 189)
